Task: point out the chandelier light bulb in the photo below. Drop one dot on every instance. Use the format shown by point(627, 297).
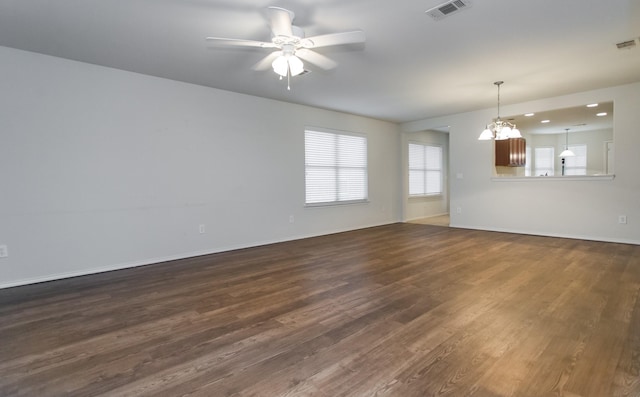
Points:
point(486, 135)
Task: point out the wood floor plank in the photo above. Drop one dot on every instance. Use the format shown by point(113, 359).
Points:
point(396, 310)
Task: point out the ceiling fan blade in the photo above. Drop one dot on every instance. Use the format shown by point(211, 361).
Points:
point(280, 21)
point(222, 41)
point(316, 59)
point(357, 36)
point(265, 63)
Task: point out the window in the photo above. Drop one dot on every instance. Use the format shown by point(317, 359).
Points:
point(543, 161)
point(576, 165)
point(527, 161)
point(335, 167)
point(425, 169)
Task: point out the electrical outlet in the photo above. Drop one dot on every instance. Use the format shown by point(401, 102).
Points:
point(291, 219)
point(458, 210)
point(4, 251)
point(201, 229)
point(622, 219)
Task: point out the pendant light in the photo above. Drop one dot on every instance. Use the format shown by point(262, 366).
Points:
point(566, 152)
point(498, 128)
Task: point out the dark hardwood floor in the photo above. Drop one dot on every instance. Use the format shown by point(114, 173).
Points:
point(398, 310)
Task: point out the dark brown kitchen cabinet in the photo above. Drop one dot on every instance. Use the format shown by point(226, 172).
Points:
point(511, 152)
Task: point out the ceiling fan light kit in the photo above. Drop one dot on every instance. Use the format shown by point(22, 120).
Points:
point(287, 63)
point(292, 47)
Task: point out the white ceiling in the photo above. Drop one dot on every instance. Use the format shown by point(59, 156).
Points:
point(576, 119)
point(410, 68)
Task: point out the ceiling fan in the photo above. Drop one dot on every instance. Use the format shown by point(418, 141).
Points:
point(291, 45)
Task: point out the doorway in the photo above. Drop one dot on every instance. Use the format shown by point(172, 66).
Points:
point(426, 205)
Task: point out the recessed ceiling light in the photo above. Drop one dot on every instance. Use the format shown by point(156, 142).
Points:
point(601, 114)
point(545, 121)
point(592, 105)
point(528, 114)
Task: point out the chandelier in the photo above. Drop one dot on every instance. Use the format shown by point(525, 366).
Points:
point(499, 129)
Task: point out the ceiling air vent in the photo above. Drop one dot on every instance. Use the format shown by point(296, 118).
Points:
point(448, 8)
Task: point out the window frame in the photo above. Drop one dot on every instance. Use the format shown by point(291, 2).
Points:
point(336, 166)
point(535, 160)
point(425, 169)
point(569, 168)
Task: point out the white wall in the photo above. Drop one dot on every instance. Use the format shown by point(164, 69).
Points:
point(421, 207)
point(104, 169)
point(546, 206)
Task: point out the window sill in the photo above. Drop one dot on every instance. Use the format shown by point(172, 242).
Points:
point(609, 177)
point(425, 196)
point(335, 203)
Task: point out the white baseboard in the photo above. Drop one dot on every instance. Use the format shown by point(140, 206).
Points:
point(426, 216)
point(546, 234)
point(151, 261)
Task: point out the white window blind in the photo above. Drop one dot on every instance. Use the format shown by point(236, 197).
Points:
point(527, 161)
point(544, 161)
point(425, 169)
point(335, 167)
point(576, 165)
